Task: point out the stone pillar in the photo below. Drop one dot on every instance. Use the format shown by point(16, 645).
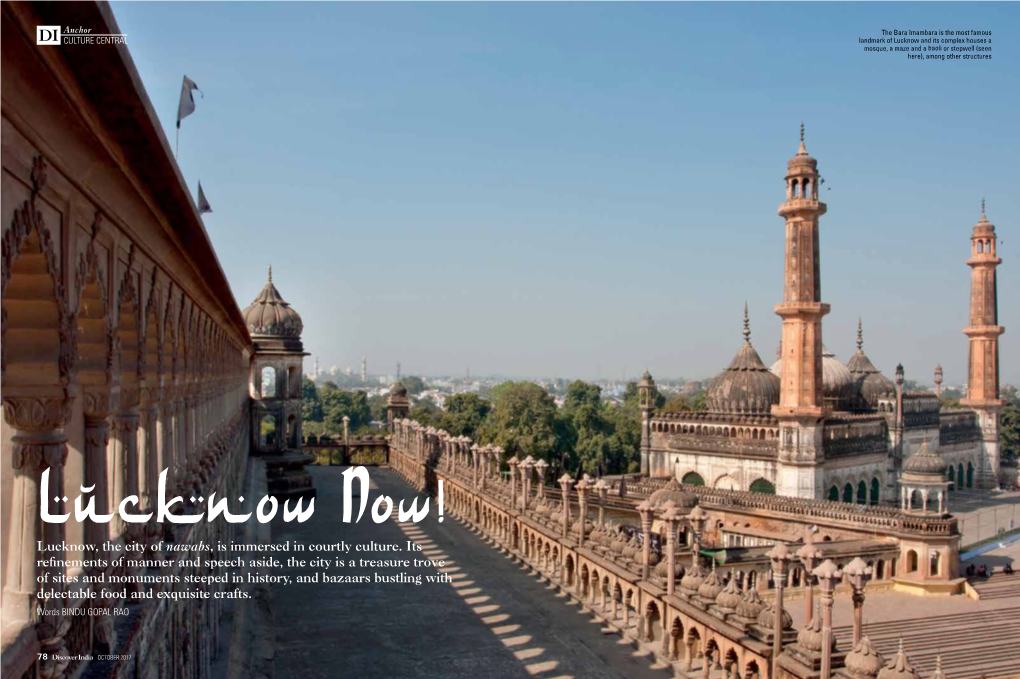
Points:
point(828, 575)
point(809, 556)
point(857, 574)
point(672, 519)
point(780, 557)
point(513, 462)
point(125, 468)
point(565, 483)
point(37, 444)
point(165, 434)
point(526, 468)
point(148, 447)
point(582, 502)
point(697, 518)
point(540, 467)
point(475, 453)
point(646, 512)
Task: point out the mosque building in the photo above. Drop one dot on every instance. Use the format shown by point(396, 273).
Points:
point(810, 426)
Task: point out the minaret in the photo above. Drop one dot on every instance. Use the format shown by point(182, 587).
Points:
point(801, 409)
point(364, 370)
point(646, 402)
point(983, 356)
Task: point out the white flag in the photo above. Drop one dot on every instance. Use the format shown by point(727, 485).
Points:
point(203, 204)
point(187, 105)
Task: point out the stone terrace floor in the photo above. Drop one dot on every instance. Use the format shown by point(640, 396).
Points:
point(496, 620)
point(975, 638)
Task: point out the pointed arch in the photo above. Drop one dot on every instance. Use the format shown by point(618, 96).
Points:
point(37, 342)
point(94, 341)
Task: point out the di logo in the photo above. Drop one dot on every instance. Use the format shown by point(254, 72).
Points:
point(47, 35)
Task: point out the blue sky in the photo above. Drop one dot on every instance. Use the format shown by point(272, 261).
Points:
point(579, 190)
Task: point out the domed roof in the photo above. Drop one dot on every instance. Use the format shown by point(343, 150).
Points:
point(810, 638)
point(270, 316)
point(899, 667)
point(864, 661)
point(674, 492)
point(837, 382)
point(802, 159)
point(869, 383)
point(751, 606)
point(398, 389)
point(731, 596)
point(692, 579)
point(767, 616)
point(746, 386)
point(925, 463)
point(712, 586)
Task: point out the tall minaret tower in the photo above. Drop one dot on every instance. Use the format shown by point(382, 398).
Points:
point(801, 410)
point(983, 356)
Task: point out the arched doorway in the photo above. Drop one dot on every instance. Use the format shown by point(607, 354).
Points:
point(848, 493)
point(268, 380)
point(970, 475)
point(862, 493)
point(693, 479)
point(951, 477)
point(764, 487)
point(267, 432)
point(834, 494)
point(876, 489)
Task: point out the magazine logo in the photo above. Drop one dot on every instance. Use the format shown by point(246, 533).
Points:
point(47, 35)
point(70, 35)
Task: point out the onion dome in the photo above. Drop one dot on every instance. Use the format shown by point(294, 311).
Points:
point(620, 543)
point(632, 548)
point(869, 383)
point(731, 596)
point(646, 380)
point(693, 579)
point(802, 159)
point(662, 569)
point(837, 382)
point(899, 667)
point(398, 389)
point(654, 559)
point(810, 638)
point(864, 662)
point(751, 606)
point(925, 463)
point(674, 492)
point(270, 316)
point(712, 586)
point(746, 386)
point(767, 617)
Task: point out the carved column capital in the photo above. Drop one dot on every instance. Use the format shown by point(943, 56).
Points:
point(37, 413)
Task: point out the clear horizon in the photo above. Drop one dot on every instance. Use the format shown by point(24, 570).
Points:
point(580, 190)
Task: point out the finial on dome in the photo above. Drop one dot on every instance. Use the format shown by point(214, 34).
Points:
point(860, 335)
point(270, 273)
point(802, 132)
point(802, 150)
point(747, 325)
point(982, 206)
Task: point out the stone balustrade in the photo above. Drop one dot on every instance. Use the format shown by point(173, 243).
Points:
point(124, 352)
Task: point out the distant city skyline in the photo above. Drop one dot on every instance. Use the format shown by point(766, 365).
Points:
point(568, 190)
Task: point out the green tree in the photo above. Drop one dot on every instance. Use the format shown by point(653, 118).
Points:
point(464, 414)
point(336, 404)
point(697, 400)
point(580, 393)
point(523, 422)
point(1009, 426)
point(631, 394)
point(377, 408)
point(311, 407)
point(414, 385)
point(426, 413)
